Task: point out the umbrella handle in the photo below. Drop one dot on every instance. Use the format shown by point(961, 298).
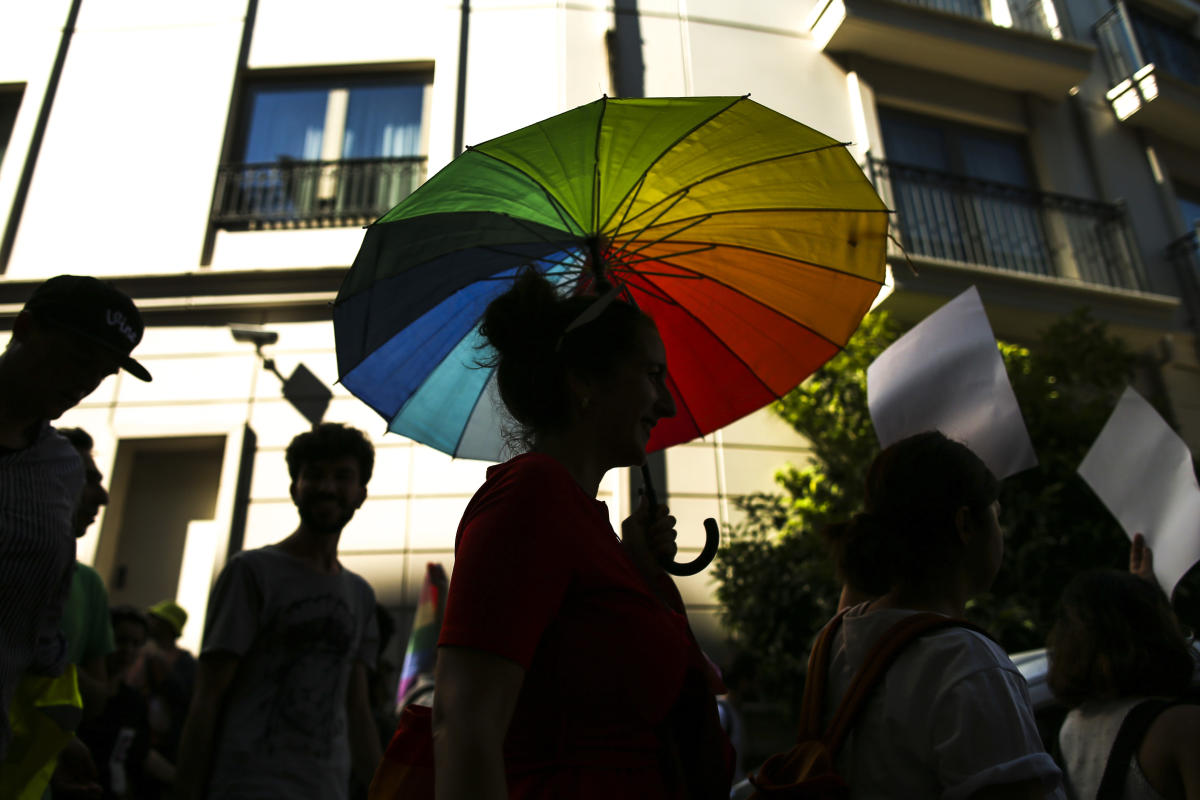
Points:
point(712, 535)
point(712, 538)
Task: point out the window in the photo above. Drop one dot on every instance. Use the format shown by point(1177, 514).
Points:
point(334, 121)
point(1188, 199)
point(10, 103)
point(1166, 45)
point(960, 149)
point(338, 151)
point(964, 193)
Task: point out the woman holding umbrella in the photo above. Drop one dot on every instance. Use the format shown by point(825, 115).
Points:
point(566, 665)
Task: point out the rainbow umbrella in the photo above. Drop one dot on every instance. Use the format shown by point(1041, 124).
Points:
point(755, 243)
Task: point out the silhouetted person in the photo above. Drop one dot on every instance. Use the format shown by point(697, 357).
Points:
point(566, 667)
point(73, 332)
point(1115, 645)
point(281, 704)
point(167, 675)
point(85, 622)
point(951, 717)
point(120, 738)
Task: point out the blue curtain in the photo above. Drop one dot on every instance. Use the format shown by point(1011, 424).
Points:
point(285, 123)
point(383, 122)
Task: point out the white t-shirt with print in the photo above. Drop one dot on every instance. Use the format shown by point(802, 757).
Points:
point(297, 633)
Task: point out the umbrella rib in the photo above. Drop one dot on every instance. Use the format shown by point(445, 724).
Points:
point(478, 399)
point(691, 223)
point(736, 356)
point(667, 258)
point(633, 258)
point(596, 164)
point(808, 328)
point(558, 209)
point(634, 237)
point(641, 179)
point(525, 224)
point(777, 209)
point(523, 258)
point(655, 292)
point(682, 401)
point(634, 191)
point(684, 189)
point(627, 265)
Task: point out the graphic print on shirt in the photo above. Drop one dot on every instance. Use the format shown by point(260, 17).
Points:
point(312, 639)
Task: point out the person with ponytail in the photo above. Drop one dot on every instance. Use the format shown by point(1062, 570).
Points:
point(951, 717)
point(566, 667)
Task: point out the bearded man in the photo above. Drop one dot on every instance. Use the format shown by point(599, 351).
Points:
point(281, 707)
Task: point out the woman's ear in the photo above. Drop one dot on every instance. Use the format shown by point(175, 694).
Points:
point(580, 388)
point(964, 524)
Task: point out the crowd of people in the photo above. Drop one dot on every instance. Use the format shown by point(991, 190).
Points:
point(567, 667)
point(102, 702)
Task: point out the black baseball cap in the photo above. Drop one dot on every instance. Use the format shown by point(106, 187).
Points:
point(95, 310)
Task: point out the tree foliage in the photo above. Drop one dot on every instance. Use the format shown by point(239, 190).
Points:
point(776, 582)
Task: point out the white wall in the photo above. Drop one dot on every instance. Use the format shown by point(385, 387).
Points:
point(125, 176)
point(29, 39)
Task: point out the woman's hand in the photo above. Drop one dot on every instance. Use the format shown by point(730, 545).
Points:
point(1141, 559)
point(649, 540)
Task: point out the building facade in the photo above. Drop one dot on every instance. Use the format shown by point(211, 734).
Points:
point(219, 160)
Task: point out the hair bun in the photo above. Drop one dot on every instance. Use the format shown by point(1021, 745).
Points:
point(523, 319)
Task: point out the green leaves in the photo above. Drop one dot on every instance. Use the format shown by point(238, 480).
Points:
point(776, 581)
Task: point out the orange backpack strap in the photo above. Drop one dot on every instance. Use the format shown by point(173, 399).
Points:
point(872, 671)
point(814, 685)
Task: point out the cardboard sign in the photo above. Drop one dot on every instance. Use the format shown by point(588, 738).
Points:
point(1142, 471)
point(947, 374)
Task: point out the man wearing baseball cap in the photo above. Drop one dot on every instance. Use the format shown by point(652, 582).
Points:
point(73, 332)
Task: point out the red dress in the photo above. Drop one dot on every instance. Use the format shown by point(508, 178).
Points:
point(541, 578)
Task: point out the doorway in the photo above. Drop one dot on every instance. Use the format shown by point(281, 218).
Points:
point(159, 488)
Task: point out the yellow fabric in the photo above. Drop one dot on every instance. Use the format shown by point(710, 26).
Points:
point(43, 716)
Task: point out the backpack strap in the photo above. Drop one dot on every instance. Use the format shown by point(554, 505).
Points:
point(872, 671)
point(1129, 738)
point(814, 684)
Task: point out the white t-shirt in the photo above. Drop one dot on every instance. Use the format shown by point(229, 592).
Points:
point(951, 715)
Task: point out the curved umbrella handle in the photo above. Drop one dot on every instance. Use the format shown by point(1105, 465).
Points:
point(712, 538)
point(712, 535)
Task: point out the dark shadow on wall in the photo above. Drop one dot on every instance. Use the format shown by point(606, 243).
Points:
point(626, 67)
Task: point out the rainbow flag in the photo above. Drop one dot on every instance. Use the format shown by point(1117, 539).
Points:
point(421, 654)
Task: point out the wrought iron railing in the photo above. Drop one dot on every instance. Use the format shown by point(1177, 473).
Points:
point(312, 194)
point(955, 218)
point(1031, 16)
point(1129, 40)
point(1184, 254)
point(1118, 46)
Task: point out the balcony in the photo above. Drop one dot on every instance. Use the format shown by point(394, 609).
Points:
point(1154, 73)
point(951, 218)
point(1017, 45)
point(312, 194)
point(1184, 254)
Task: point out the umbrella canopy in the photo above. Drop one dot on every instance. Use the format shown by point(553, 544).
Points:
point(754, 242)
